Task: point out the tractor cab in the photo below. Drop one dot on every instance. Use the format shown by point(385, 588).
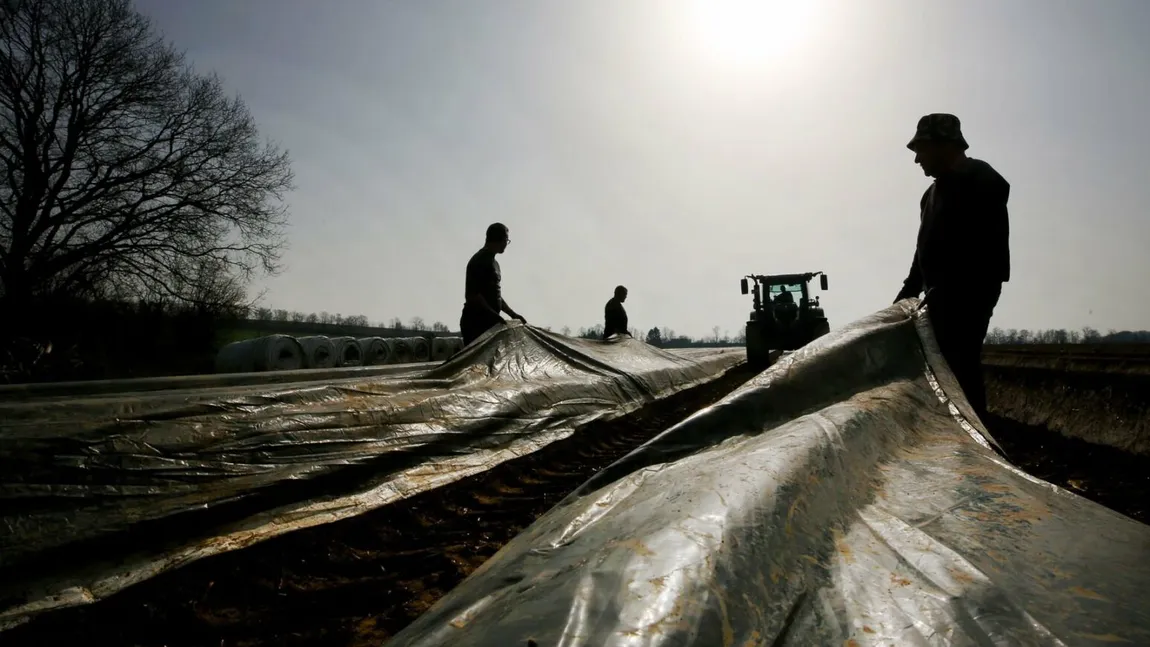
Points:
point(785, 316)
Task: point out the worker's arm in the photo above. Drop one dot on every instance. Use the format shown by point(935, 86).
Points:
point(478, 299)
point(912, 285)
point(511, 311)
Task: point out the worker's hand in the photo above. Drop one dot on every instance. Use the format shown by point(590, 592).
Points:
point(519, 317)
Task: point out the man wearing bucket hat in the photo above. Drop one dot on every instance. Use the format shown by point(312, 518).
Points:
point(963, 253)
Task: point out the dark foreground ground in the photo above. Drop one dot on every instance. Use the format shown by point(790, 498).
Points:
point(360, 581)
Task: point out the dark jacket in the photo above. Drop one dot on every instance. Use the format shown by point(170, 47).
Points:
point(963, 236)
point(483, 278)
point(615, 318)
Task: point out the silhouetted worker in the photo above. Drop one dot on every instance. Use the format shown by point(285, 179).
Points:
point(614, 316)
point(482, 292)
point(963, 254)
point(784, 296)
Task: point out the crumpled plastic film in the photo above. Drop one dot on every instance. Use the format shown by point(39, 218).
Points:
point(100, 492)
point(845, 496)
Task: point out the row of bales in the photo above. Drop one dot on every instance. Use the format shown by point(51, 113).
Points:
point(287, 353)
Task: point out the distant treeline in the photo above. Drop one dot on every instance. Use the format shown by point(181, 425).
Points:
point(1062, 336)
point(337, 319)
point(75, 339)
point(80, 339)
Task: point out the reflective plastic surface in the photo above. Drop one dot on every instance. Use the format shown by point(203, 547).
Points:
point(103, 491)
point(846, 496)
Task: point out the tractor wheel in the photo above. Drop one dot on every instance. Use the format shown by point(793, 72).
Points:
point(758, 355)
point(821, 328)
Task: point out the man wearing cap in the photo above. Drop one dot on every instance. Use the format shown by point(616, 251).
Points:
point(483, 295)
point(963, 253)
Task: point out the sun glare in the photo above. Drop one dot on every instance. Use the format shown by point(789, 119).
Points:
point(749, 32)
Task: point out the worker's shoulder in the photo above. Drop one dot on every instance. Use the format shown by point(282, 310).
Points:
point(484, 255)
point(981, 173)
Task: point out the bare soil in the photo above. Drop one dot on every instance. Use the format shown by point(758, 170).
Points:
point(1116, 479)
point(1098, 393)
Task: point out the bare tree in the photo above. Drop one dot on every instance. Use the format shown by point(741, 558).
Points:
point(124, 169)
point(298, 317)
point(439, 326)
point(312, 318)
point(396, 323)
point(356, 320)
point(565, 331)
point(418, 324)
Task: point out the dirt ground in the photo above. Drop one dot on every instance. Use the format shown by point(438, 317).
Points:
point(360, 581)
point(1078, 416)
point(1104, 407)
point(1116, 479)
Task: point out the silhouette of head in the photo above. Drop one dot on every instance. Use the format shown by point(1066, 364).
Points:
point(621, 293)
point(498, 236)
point(938, 143)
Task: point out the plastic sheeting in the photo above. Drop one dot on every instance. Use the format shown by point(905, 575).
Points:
point(99, 493)
point(215, 384)
point(846, 496)
point(270, 353)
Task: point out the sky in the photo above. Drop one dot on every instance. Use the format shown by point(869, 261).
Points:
point(675, 146)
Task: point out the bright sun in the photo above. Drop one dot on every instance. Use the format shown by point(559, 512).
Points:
point(749, 32)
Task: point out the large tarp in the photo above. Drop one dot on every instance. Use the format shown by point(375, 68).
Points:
point(99, 492)
point(846, 496)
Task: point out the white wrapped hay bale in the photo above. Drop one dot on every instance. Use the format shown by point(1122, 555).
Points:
point(347, 351)
point(444, 348)
point(374, 351)
point(440, 349)
point(420, 349)
point(270, 353)
point(401, 351)
point(318, 352)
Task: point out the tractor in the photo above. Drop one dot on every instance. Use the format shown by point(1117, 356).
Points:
point(785, 316)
